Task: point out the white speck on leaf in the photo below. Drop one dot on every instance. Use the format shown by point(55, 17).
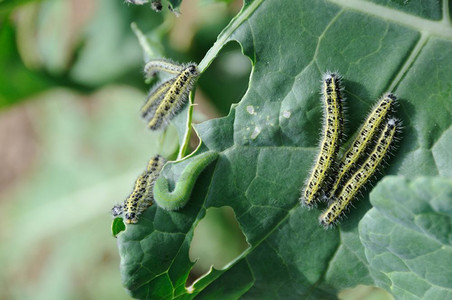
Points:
point(250, 110)
point(255, 133)
point(286, 114)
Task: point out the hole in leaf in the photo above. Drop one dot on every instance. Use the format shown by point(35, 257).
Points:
point(226, 80)
point(365, 292)
point(217, 241)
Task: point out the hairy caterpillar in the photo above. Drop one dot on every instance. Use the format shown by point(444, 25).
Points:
point(155, 98)
point(331, 136)
point(340, 204)
point(366, 134)
point(137, 2)
point(154, 66)
point(142, 194)
point(172, 100)
point(155, 4)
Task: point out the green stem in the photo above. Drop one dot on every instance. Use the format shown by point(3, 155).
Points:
point(223, 38)
point(186, 141)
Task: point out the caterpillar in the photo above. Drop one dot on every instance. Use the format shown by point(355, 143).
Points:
point(142, 194)
point(338, 207)
point(362, 141)
point(172, 100)
point(137, 2)
point(154, 66)
point(331, 135)
point(155, 97)
point(156, 5)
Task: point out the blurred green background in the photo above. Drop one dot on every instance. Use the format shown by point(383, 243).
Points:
point(72, 141)
point(71, 138)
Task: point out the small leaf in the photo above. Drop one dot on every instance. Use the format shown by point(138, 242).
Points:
point(117, 226)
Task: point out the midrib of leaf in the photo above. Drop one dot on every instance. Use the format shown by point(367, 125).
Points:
point(441, 28)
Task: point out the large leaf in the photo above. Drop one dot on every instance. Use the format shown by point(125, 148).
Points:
point(268, 141)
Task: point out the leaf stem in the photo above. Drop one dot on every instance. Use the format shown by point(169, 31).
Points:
point(186, 141)
point(222, 39)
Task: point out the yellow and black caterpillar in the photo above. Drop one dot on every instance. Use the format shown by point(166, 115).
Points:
point(142, 195)
point(331, 136)
point(168, 97)
point(339, 181)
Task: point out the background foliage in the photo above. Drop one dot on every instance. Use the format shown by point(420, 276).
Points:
point(71, 138)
